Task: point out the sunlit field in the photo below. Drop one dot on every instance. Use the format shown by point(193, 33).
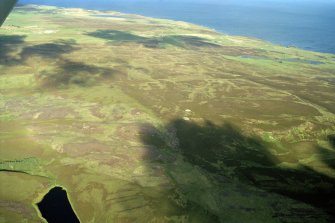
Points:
point(150, 120)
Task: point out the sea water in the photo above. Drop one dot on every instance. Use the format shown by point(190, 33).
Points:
point(305, 24)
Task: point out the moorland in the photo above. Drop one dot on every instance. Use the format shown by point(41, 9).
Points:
point(150, 120)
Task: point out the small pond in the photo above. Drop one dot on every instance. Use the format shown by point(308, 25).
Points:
point(55, 207)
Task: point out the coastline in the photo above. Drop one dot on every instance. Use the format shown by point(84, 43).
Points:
point(287, 32)
point(213, 29)
point(101, 91)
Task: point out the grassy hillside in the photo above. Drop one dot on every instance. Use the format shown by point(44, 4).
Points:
point(149, 120)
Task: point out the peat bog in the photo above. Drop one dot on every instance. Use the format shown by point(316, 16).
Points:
point(148, 120)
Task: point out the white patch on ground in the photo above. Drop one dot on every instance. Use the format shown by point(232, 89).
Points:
point(48, 32)
point(37, 115)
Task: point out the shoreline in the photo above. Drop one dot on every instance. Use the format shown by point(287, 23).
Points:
point(214, 30)
point(258, 36)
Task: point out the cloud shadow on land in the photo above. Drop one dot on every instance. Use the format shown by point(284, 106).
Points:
point(9, 44)
point(49, 50)
point(70, 72)
point(182, 41)
point(62, 71)
point(331, 139)
point(226, 153)
point(327, 155)
point(14, 50)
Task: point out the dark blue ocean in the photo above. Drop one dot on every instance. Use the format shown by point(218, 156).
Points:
point(307, 24)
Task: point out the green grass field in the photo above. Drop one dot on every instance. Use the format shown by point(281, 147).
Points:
point(149, 120)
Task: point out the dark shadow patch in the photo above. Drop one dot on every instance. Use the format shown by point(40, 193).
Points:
point(71, 72)
point(8, 45)
point(13, 53)
point(327, 156)
point(13, 171)
point(182, 41)
point(115, 35)
point(63, 72)
point(208, 144)
point(55, 207)
point(49, 50)
point(331, 139)
point(223, 150)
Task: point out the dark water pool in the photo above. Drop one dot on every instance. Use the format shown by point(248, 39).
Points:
point(56, 208)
